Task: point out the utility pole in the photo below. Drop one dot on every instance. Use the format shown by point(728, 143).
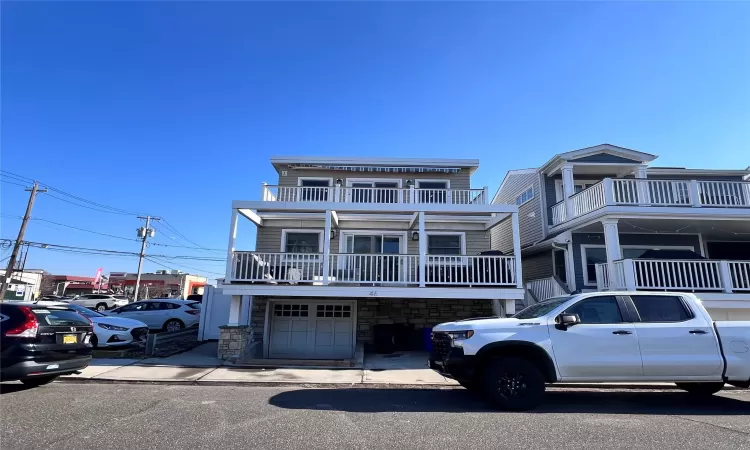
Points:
point(143, 233)
point(19, 241)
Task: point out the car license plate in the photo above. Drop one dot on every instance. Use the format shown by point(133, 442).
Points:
point(70, 339)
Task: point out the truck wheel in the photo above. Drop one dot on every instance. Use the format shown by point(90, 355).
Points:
point(702, 389)
point(513, 384)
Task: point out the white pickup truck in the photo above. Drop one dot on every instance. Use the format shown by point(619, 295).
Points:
point(594, 337)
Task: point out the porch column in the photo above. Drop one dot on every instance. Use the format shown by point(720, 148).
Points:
point(235, 310)
point(246, 312)
point(641, 186)
point(517, 249)
point(235, 337)
point(422, 251)
point(230, 247)
point(612, 245)
point(326, 247)
point(497, 308)
point(568, 190)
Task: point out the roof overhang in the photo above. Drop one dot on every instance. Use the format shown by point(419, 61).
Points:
point(558, 160)
point(343, 161)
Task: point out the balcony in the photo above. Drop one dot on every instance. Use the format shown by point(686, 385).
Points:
point(675, 275)
point(379, 195)
point(656, 193)
point(373, 269)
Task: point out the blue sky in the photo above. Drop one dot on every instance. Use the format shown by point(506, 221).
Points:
point(174, 108)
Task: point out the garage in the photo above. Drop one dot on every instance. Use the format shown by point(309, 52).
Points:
point(311, 330)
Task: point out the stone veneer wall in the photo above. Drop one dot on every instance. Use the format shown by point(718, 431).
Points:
point(420, 312)
point(258, 319)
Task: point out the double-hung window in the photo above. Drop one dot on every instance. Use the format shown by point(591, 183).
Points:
point(441, 245)
point(302, 242)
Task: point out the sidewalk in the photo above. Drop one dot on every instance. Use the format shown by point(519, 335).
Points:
point(200, 366)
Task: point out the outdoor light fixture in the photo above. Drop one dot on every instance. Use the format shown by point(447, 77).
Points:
point(409, 183)
point(339, 182)
point(333, 234)
point(415, 235)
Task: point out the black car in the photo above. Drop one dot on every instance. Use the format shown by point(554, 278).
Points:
point(39, 343)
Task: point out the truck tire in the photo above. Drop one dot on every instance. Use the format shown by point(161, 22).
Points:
point(513, 384)
point(702, 389)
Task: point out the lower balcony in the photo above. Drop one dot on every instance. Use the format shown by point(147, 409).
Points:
point(731, 277)
point(373, 269)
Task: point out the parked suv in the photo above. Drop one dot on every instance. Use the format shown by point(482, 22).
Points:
point(100, 302)
point(39, 343)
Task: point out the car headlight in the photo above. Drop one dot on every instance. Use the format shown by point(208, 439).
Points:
point(461, 335)
point(112, 327)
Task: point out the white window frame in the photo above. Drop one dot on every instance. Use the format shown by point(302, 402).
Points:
point(328, 179)
point(448, 196)
point(533, 194)
point(586, 281)
point(344, 233)
point(320, 232)
point(349, 182)
point(559, 187)
point(461, 257)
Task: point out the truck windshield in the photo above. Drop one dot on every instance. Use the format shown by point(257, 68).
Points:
point(540, 309)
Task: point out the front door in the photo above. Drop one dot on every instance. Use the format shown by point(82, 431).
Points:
point(604, 345)
point(674, 340)
point(371, 260)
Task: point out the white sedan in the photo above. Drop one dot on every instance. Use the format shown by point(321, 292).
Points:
point(110, 331)
point(161, 313)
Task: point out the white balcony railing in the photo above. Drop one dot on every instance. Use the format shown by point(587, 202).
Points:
point(675, 275)
point(291, 268)
point(546, 288)
point(646, 192)
point(345, 194)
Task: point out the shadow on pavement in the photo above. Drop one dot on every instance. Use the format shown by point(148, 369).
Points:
point(460, 400)
point(11, 387)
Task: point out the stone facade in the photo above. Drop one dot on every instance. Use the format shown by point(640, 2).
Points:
point(233, 340)
point(421, 313)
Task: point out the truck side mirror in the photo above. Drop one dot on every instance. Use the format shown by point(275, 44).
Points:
point(566, 320)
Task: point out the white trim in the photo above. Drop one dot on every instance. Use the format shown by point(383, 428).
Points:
point(559, 187)
point(682, 171)
point(533, 195)
point(583, 262)
point(343, 161)
point(433, 180)
point(301, 179)
point(462, 236)
point(371, 292)
point(375, 208)
point(252, 217)
point(402, 234)
point(704, 252)
point(349, 181)
point(301, 230)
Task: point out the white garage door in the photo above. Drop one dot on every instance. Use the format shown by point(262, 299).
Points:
point(314, 330)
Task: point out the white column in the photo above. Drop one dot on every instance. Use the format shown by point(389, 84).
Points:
point(486, 196)
point(246, 312)
point(235, 307)
point(230, 247)
point(422, 251)
point(726, 276)
point(570, 267)
point(510, 307)
point(695, 194)
point(568, 190)
point(327, 247)
point(612, 244)
point(640, 172)
point(642, 186)
point(497, 308)
point(517, 249)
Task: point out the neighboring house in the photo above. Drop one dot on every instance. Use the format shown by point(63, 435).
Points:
point(346, 244)
point(162, 283)
point(25, 285)
point(587, 216)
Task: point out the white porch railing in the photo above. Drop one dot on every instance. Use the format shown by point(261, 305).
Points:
point(374, 268)
point(546, 288)
point(677, 275)
point(482, 270)
point(646, 192)
point(347, 194)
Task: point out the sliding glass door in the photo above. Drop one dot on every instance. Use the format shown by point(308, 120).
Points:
point(374, 257)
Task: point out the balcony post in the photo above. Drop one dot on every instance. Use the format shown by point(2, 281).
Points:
point(517, 249)
point(612, 245)
point(230, 247)
point(264, 191)
point(327, 247)
point(568, 191)
point(609, 191)
point(422, 251)
point(628, 272)
point(695, 194)
point(486, 195)
point(726, 276)
point(641, 186)
point(412, 196)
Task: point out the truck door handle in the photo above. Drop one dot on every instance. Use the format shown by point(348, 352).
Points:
point(697, 331)
point(622, 332)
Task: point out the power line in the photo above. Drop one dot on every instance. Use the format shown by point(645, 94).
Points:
point(171, 227)
point(47, 246)
point(187, 267)
point(11, 182)
point(71, 226)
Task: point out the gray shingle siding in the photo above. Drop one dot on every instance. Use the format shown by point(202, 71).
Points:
point(538, 265)
point(649, 240)
point(605, 158)
point(529, 216)
point(551, 194)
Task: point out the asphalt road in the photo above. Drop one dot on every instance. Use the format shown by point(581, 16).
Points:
point(155, 417)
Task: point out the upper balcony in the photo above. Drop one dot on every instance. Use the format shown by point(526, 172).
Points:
point(635, 192)
point(374, 195)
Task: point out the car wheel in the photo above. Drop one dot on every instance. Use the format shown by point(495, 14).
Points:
point(513, 384)
point(701, 389)
point(174, 325)
point(101, 307)
point(39, 381)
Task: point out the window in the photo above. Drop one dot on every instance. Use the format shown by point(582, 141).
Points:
point(444, 244)
point(597, 310)
point(60, 317)
point(290, 310)
point(333, 311)
point(314, 189)
point(558, 265)
point(525, 196)
point(542, 308)
point(660, 308)
point(433, 191)
point(591, 256)
point(634, 252)
point(138, 306)
point(302, 242)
